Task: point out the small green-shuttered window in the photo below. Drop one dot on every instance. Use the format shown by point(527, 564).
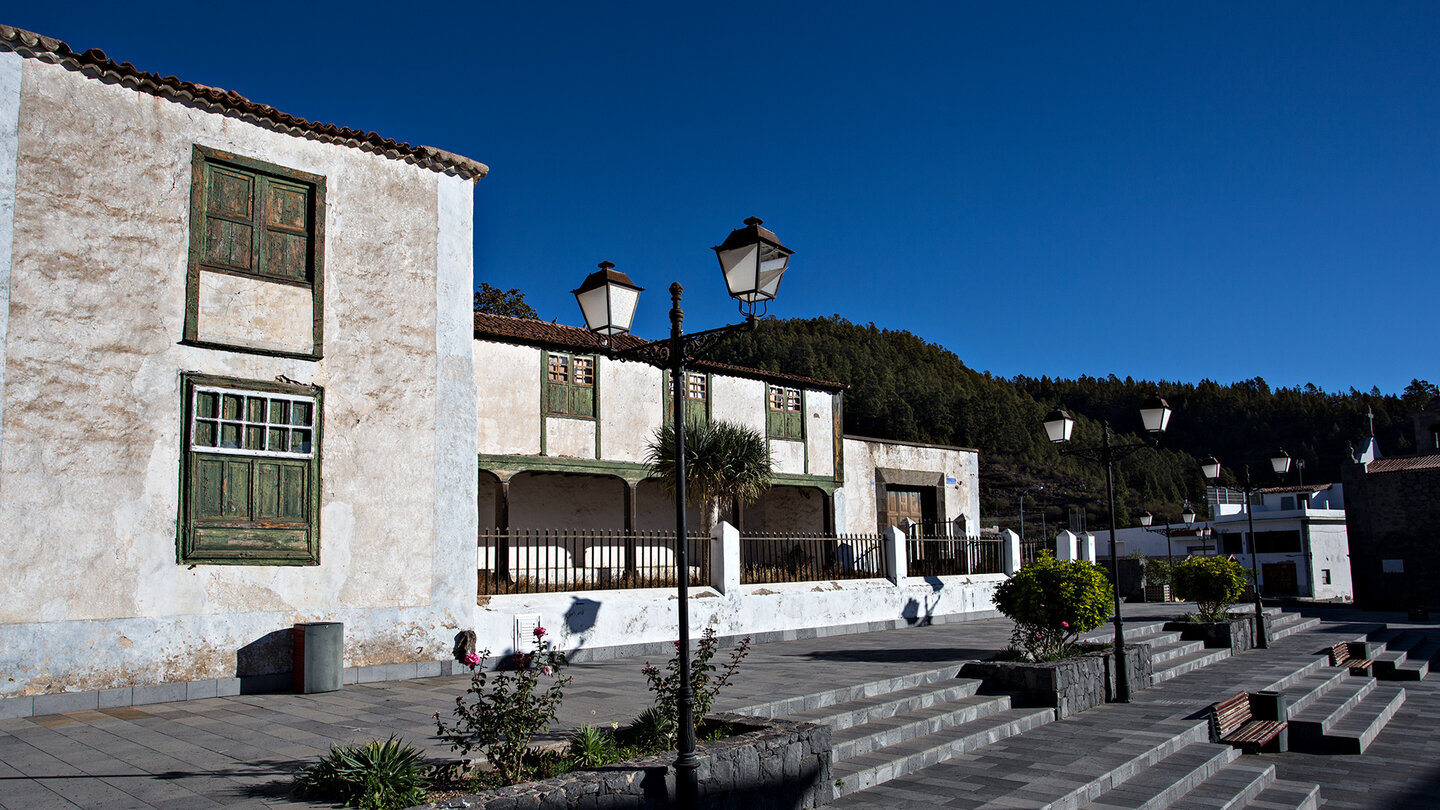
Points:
point(251, 473)
point(697, 397)
point(256, 222)
point(785, 418)
point(569, 385)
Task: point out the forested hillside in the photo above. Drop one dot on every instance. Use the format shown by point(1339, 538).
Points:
point(902, 387)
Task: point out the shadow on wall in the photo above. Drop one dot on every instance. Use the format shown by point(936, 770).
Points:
point(580, 618)
point(265, 663)
point(917, 614)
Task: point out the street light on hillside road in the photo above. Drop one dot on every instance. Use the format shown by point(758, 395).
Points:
point(1280, 463)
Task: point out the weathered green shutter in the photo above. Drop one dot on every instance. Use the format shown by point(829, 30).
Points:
point(774, 423)
point(794, 425)
point(287, 237)
point(583, 400)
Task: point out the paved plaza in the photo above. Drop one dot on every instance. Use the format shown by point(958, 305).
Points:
point(243, 751)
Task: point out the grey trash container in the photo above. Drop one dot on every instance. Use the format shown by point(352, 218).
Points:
point(319, 656)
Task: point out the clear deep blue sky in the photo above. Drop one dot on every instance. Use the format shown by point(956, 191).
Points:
point(1161, 190)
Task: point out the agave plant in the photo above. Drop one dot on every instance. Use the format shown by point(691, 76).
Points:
point(723, 461)
point(372, 776)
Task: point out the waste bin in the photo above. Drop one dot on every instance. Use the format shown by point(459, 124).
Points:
point(319, 656)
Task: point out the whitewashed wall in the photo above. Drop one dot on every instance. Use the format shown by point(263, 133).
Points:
point(856, 507)
point(89, 455)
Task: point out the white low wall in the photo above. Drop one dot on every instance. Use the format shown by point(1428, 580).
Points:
point(605, 624)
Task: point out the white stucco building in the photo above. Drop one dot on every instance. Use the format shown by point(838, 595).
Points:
point(237, 387)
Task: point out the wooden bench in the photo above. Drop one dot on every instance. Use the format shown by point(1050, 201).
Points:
point(1340, 657)
point(1233, 722)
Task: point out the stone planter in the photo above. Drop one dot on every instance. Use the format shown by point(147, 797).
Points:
point(1238, 634)
point(1070, 685)
point(770, 764)
point(1157, 593)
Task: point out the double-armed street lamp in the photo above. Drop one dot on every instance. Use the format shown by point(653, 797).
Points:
point(1187, 516)
point(1155, 415)
point(1280, 463)
point(753, 261)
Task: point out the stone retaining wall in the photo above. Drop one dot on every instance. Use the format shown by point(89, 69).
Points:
point(1070, 685)
point(779, 764)
point(1238, 634)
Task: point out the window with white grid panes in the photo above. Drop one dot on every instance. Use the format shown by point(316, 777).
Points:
point(569, 385)
point(785, 419)
point(251, 423)
point(697, 396)
point(250, 477)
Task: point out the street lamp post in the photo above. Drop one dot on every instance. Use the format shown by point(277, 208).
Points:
point(753, 262)
point(1155, 414)
point(1280, 463)
point(1187, 516)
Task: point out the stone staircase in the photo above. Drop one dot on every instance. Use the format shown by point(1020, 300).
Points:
point(1108, 757)
point(1407, 654)
point(886, 729)
point(1283, 624)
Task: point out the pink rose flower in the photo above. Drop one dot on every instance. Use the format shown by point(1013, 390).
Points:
point(546, 671)
point(541, 632)
point(472, 659)
point(1065, 625)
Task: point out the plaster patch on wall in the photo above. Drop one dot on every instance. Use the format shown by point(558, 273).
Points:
point(11, 74)
point(253, 312)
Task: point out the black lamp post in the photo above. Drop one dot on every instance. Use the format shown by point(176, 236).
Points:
point(753, 262)
point(1155, 414)
point(1280, 463)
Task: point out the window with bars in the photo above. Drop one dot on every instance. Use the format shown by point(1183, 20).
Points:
point(786, 418)
point(569, 385)
point(250, 473)
point(697, 397)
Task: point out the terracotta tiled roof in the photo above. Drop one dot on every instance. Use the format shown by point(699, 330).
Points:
point(1426, 461)
point(95, 64)
point(530, 332)
point(1302, 488)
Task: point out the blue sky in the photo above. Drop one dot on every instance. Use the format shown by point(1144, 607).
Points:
point(1158, 190)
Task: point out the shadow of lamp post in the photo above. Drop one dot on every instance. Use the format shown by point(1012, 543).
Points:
point(753, 262)
point(1155, 414)
point(1280, 463)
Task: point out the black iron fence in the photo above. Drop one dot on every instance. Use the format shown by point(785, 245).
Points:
point(1030, 549)
point(810, 558)
point(942, 556)
point(551, 560)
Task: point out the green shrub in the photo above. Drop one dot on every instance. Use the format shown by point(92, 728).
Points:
point(373, 776)
point(1213, 583)
point(1051, 603)
point(1157, 572)
point(706, 680)
point(652, 729)
point(591, 747)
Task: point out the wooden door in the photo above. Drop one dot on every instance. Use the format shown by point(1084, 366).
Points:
point(1279, 579)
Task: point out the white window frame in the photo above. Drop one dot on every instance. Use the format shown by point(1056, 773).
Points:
point(244, 422)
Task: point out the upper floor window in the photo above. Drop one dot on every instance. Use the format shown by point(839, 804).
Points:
point(257, 237)
point(697, 396)
point(569, 385)
point(785, 418)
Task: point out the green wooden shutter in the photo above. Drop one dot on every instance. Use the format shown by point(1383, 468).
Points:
point(229, 218)
point(583, 400)
point(287, 235)
point(794, 425)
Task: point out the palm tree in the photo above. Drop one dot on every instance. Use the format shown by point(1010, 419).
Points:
point(723, 461)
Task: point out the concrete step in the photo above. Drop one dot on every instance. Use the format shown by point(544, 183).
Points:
point(1314, 666)
point(782, 707)
point(1302, 694)
point(1135, 632)
point(1328, 709)
point(1176, 649)
point(1298, 624)
point(1284, 795)
point(1350, 726)
point(896, 730)
point(1188, 663)
point(1407, 656)
point(867, 770)
point(1165, 782)
point(1234, 787)
point(841, 716)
